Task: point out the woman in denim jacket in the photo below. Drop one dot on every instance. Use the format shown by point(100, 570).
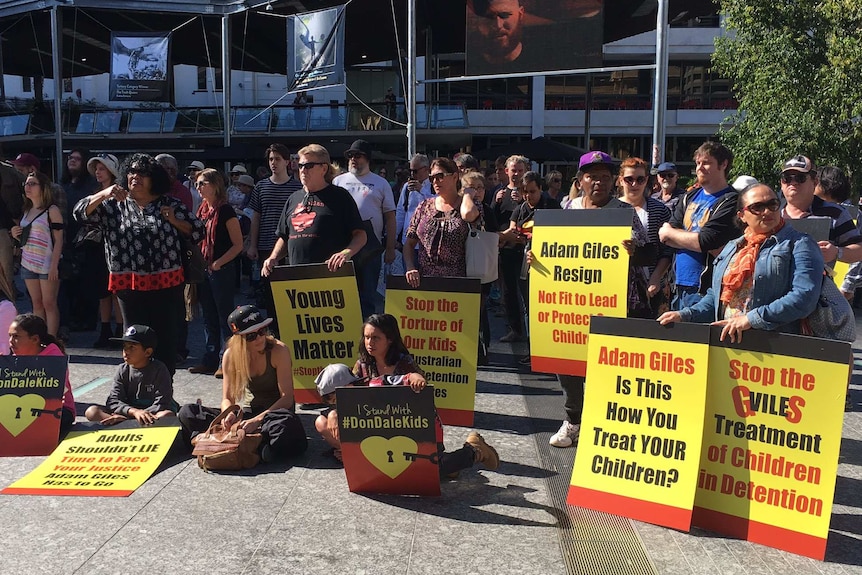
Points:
point(767, 279)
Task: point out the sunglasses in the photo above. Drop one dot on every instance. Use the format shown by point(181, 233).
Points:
point(262, 332)
point(791, 177)
point(759, 208)
point(438, 177)
point(200, 183)
point(352, 155)
point(632, 181)
point(306, 205)
point(309, 165)
point(668, 175)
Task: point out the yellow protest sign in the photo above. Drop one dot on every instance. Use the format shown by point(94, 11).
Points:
point(579, 269)
point(639, 446)
point(319, 319)
point(439, 322)
point(106, 463)
point(771, 439)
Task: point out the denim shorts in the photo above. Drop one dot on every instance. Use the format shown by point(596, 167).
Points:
point(28, 275)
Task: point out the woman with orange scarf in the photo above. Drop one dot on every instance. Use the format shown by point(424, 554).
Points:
point(767, 279)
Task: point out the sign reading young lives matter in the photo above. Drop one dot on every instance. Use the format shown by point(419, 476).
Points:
point(771, 439)
point(104, 463)
point(439, 322)
point(579, 269)
point(388, 440)
point(318, 318)
point(639, 444)
point(31, 403)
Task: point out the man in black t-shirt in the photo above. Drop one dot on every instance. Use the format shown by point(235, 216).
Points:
point(321, 224)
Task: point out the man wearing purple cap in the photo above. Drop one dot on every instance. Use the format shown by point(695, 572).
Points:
point(702, 223)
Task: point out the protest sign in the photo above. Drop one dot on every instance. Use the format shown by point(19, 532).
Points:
point(439, 322)
point(771, 439)
point(639, 444)
point(388, 440)
point(104, 463)
point(573, 278)
point(31, 403)
point(319, 319)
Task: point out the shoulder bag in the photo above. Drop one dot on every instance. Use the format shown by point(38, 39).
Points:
point(483, 250)
point(833, 317)
point(227, 449)
point(194, 266)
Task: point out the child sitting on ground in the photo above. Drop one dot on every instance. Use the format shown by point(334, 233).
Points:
point(142, 388)
point(383, 355)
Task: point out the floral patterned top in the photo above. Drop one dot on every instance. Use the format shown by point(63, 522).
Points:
point(143, 249)
point(442, 240)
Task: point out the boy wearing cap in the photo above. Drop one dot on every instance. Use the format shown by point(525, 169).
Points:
point(142, 387)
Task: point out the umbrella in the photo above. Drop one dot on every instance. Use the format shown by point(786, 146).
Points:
point(538, 150)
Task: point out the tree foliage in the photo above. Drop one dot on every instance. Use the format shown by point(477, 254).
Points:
point(796, 71)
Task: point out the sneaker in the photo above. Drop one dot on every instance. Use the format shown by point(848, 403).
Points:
point(219, 374)
point(202, 369)
point(485, 454)
point(511, 337)
point(266, 453)
point(567, 435)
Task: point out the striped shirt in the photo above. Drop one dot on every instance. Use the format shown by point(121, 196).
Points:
point(36, 253)
point(268, 200)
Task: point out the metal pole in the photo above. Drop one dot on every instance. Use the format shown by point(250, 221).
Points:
point(57, 61)
point(411, 78)
point(588, 111)
point(660, 88)
point(225, 76)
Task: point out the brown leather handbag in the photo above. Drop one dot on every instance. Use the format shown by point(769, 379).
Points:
point(227, 449)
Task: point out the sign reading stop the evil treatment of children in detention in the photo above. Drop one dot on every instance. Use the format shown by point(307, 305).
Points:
point(579, 269)
point(106, 463)
point(319, 319)
point(772, 434)
point(388, 439)
point(439, 322)
point(31, 403)
point(639, 444)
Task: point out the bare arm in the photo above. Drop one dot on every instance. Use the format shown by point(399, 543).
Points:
point(235, 234)
point(679, 239)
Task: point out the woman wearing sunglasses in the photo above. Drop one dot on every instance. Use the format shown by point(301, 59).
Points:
point(650, 258)
point(767, 279)
point(258, 377)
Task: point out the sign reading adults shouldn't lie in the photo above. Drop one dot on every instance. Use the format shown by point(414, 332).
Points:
point(439, 322)
point(579, 269)
point(104, 463)
point(318, 318)
point(643, 416)
point(388, 440)
point(771, 439)
point(31, 403)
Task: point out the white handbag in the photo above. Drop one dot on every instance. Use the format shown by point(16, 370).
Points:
point(483, 249)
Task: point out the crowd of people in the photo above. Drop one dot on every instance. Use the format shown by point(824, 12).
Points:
point(136, 241)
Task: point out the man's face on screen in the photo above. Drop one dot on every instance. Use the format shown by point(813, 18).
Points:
point(500, 27)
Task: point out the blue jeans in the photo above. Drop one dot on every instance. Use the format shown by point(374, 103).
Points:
point(216, 298)
point(367, 276)
point(685, 296)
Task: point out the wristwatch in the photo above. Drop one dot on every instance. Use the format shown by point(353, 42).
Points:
point(840, 253)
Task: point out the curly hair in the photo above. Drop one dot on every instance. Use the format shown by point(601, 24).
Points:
point(145, 165)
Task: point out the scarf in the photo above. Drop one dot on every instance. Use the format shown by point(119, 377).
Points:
point(742, 266)
point(209, 216)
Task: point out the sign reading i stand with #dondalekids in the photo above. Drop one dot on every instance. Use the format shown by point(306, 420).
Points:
point(579, 269)
point(319, 319)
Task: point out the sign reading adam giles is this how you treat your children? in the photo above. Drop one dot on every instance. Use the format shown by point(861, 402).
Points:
point(319, 318)
point(573, 278)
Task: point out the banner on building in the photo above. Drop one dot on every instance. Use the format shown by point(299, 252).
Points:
point(104, 463)
point(31, 403)
point(388, 440)
point(439, 322)
point(319, 319)
point(579, 269)
point(771, 438)
point(509, 36)
point(139, 67)
point(315, 49)
point(639, 447)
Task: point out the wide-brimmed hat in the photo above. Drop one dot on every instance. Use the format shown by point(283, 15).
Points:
point(110, 162)
point(238, 169)
point(196, 165)
point(245, 179)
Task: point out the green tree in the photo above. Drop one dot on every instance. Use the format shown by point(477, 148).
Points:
point(796, 69)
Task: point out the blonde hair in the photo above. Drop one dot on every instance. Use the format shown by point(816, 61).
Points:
point(470, 178)
point(237, 371)
point(320, 154)
point(574, 191)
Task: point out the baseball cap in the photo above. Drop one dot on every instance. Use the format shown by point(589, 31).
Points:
point(742, 183)
point(245, 179)
point(246, 319)
point(591, 158)
point(27, 159)
point(141, 334)
point(196, 165)
point(332, 377)
point(799, 163)
point(666, 167)
point(110, 161)
point(238, 169)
